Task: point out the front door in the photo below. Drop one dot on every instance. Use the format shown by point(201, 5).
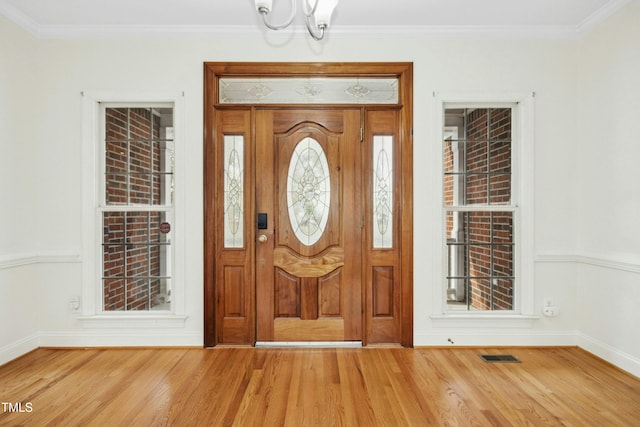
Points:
point(308, 230)
point(308, 202)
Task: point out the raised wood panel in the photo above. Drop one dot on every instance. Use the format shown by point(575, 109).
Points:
point(309, 330)
point(382, 291)
point(287, 295)
point(234, 291)
point(313, 267)
point(309, 298)
point(330, 294)
point(332, 121)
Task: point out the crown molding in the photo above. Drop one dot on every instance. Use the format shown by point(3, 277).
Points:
point(247, 31)
point(377, 31)
point(19, 18)
point(599, 16)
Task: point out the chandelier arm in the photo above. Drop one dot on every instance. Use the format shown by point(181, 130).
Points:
point(264, 12)
point(312, 32)
point(305, 9)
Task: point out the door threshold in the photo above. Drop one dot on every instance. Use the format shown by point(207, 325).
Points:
point(309, 344)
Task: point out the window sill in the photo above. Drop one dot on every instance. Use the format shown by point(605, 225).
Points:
point(133, 321)
point(483, 320)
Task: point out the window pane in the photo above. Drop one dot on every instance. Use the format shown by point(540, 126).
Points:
point(502, 228)
point(308, 191)
point(136, 253)
point(500, 189)
point(503, 294)
point(500, 156)
point(308, 90)
point(476, 156)
point(480, 251)
point(477, 163)
point(139, 156)
point(233, 191)
point(476, 187)
point(451, 189)
point(382, 191)
point(114, 293)
point(500, 124)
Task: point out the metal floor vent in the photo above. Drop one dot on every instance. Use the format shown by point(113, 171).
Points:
point(499, 358)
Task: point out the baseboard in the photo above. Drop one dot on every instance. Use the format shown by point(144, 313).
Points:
point(600, 349)
point(610, 354)
point(498, 338)
point(95, 338)
point(14, 350)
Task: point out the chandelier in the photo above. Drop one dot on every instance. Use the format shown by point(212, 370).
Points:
point(317, 15)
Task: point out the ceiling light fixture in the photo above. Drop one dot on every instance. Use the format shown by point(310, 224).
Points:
point(317, 15)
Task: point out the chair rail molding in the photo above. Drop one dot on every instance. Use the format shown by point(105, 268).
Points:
point(622, 263)
point(49, 257)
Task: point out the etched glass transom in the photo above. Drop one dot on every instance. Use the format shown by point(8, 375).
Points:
point(382, 191)
point(308, 90)
point(308, 191)
point(233, 191)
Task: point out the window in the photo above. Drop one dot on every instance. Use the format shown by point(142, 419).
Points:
point(137, 207)
point(131, 191)
point(486, 195)
point(478, 210)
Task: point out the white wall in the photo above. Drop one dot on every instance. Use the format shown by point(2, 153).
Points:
point(18, 192)
point(608, 152)
point(67, 67)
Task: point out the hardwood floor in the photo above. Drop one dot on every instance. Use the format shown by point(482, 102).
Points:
point(307, 387)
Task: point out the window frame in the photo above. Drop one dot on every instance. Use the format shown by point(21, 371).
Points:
point(94, 205)
point(522, 197)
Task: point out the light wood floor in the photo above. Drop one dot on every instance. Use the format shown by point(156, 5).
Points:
point(324, 387)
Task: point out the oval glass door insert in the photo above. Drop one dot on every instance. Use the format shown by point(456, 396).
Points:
point(308, 191)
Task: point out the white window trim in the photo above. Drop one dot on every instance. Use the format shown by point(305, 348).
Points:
point(523, 197)
point(91, 302)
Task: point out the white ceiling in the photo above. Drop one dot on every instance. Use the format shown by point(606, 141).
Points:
point(60, 18)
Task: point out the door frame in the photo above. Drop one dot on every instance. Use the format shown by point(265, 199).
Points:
point(213, 110)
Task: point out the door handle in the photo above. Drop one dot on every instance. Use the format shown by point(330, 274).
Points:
point(263, 238)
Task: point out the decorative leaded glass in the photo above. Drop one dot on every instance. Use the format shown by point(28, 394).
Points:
point(382, 191)
point(308, 191)
point(233, 191)
point(314, 90)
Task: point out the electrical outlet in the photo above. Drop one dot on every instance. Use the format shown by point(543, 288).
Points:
point(74, 304)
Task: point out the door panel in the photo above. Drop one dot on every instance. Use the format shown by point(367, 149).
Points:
point(382, 261)
point(308, 264)
point(233, 294)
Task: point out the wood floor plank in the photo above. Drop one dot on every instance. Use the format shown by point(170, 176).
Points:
point(316, 387)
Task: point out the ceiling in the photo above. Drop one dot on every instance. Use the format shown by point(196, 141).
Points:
point(65, 18)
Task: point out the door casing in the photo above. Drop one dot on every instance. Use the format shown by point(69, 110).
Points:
point(221, 265)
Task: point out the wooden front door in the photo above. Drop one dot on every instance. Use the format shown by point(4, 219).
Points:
point(308, 207)
point(308, 232)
